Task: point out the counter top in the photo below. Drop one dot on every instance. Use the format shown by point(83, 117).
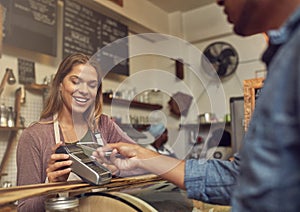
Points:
point(12, 194)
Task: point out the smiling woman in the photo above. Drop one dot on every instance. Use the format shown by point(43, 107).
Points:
point(72, 113)
point(79, 89)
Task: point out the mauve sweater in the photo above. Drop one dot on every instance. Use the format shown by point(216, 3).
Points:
point(34, 150)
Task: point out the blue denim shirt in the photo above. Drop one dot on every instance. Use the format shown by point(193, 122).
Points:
point(266, 174)
point(211, 180)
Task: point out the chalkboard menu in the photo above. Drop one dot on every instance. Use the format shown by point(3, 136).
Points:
point(26, 70)
point(31, 25)
point(87, 31)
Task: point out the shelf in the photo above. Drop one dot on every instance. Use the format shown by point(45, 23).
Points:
point(11, 128)
point(133, 103)
point(138, 127)
point(134, 131)
point(204, 125)
point(13, 131)
point(36, 87)
point(106, 99)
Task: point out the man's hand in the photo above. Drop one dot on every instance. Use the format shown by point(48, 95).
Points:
point(134, 156)
point(128, 162)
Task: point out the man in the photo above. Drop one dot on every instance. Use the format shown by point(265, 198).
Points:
point(265, 176)
point(160, 134)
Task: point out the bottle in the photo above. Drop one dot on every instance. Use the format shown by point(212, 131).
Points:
point(3, 116)
point(10, 117)
point(62, 204)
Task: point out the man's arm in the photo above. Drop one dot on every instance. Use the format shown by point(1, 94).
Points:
point(207, 180)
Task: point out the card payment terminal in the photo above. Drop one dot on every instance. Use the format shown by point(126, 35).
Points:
point(84, 166)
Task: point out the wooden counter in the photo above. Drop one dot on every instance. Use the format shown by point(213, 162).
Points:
point(12, 194)
point(131, 185)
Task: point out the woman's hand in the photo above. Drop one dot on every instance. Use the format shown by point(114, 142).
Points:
point(58, 166)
